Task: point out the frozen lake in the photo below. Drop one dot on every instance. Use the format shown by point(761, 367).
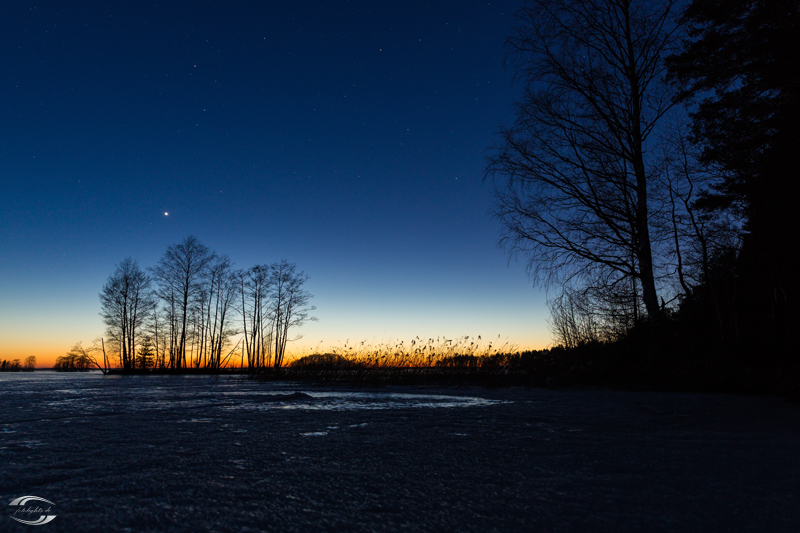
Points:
point(197, 453)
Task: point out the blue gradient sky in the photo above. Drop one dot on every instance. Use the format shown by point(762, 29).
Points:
point(347, 137)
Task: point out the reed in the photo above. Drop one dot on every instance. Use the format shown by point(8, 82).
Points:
point(441, 352)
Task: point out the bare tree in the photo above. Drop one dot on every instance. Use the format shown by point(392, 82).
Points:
point(179, 275)
point(572, 175)
point(30, 363)
point(254, 289)
point(77, 359)
point(126, 303)
point(92, 354)
point(572, 319)
point(700, 237)
point(617, 304)
point(289, 305)
point(604, 312)
point(213, 304)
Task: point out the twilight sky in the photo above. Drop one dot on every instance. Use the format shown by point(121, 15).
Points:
point(348, 137)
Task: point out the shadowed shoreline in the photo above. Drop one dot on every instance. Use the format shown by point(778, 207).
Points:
point(592, 367)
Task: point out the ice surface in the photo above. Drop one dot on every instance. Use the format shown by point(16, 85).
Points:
point(198, 453)
point(97, 394)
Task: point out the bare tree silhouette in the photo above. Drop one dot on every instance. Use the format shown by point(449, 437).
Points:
point(179, 275)
point(572, 175)
point(126, 303)
point(289, 305)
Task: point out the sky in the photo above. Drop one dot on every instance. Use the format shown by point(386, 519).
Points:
point(348, 137)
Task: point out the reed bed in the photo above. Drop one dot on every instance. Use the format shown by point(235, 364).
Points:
point(440, 352)
point(440, 360)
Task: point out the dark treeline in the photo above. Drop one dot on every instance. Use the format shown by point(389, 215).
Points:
point(16, 366)
point(184, 312)
point(649, 178)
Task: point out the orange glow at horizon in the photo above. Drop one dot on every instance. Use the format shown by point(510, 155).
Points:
point(47, 352)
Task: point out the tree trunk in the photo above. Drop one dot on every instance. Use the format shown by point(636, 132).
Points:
point(644, 249)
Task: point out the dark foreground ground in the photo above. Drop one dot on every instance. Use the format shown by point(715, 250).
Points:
point(170, 453)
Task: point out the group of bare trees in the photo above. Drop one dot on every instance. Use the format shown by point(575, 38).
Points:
point(126, 303)
point(595, 182)
point(195, 287)
point(187, 311)
point(272, 301)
